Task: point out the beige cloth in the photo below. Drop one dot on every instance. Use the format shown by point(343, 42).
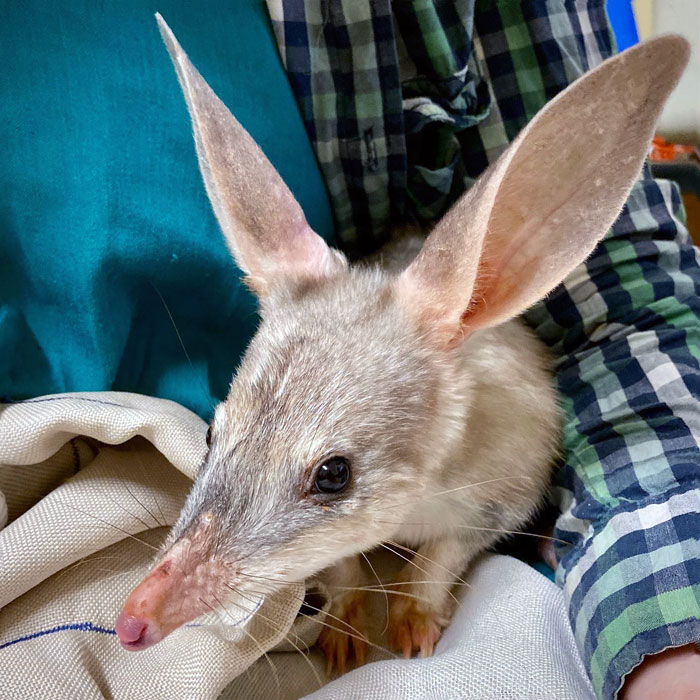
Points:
point(83, 475)
point(78, 480)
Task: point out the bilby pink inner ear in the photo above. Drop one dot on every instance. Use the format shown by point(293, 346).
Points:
point(540, 210)
point(264, 226)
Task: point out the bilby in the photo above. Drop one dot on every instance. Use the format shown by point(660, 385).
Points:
point(406, 404)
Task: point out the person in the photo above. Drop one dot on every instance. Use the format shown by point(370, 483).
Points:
point(106, 233)
point(444, 87)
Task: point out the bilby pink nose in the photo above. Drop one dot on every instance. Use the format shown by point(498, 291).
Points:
point(135, 633)
point(175, 592)
point(152, 610)
point(178, 589)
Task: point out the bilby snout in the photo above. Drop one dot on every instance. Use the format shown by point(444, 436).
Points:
point(186, 583)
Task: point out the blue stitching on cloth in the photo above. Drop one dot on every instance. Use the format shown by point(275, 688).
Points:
point(80, 626)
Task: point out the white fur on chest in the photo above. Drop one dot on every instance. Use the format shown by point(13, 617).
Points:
point(491, 478)
point(434, 518)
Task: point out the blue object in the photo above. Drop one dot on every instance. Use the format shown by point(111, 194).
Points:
point(621, 16)
point(102, 207)
point(544, 569)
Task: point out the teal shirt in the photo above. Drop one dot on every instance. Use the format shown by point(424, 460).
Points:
point(102, 207)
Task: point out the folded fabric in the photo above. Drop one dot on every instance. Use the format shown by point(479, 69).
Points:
point(93, 481)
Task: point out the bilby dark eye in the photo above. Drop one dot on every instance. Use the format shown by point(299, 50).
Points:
point(209, 437)
point(333, 475)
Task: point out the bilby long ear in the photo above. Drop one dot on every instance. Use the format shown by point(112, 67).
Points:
point(543, 206)
point(263, 224)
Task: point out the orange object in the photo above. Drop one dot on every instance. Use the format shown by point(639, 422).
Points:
point(664, 151)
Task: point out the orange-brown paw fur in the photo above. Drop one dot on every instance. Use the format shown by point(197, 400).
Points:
point(347, 640)
point(414, 628)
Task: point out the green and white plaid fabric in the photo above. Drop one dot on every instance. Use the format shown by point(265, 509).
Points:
point(340, 69)
point(405, 104)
